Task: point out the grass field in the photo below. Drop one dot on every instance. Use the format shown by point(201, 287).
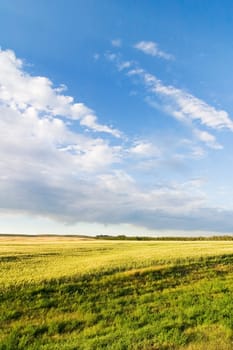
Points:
point(58, 293)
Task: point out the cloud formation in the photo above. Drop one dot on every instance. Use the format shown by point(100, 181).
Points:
point(51, 167)
point(178, 103)
point(20, 91)
point(207, 138)
point(183, 105)
point(151, 48)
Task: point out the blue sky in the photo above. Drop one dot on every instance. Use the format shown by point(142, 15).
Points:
point(116, 117)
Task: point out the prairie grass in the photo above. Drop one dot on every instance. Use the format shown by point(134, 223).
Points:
point(76, 294)
point(35, 259)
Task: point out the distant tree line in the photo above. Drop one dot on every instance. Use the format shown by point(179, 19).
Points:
point(165, 238)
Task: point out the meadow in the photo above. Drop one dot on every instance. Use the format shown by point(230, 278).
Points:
point(70, 293)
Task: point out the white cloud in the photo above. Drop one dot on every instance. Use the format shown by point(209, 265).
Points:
point(185, 107)
point(144, 149)
point(50, 168)
point(116, 42)
point(152, 48)
point(116, 58)
point(111, 56)
point(118, 182)
point(207, 138)
point(20, 90)
point(124, 65)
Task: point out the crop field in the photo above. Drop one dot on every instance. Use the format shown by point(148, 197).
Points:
point(70, 293)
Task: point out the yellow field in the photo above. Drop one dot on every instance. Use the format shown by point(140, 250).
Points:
point(28, 259)
point(72, 293)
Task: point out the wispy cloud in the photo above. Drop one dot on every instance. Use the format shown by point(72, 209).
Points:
point(116, 43)
point(116, 59)
point(207, 138)
point(183, 105)
point(145, 149)
point(51, 167)
point(151, 48)
point(179, 103)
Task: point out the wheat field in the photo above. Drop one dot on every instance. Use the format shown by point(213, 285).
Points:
point(73, 293)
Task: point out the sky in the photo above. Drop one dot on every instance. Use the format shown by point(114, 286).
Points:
point(116, 117)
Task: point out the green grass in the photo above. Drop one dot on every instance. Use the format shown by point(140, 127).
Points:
point(61, 294)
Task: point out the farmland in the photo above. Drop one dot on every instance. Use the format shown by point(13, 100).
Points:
point(70, 293)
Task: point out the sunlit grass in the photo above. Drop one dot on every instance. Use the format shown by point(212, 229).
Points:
point(37, 260)
point(116, 295)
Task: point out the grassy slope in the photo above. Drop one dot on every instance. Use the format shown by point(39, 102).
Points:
point(116, 295)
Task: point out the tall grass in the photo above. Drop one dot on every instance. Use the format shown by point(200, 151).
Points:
point(32, 260)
